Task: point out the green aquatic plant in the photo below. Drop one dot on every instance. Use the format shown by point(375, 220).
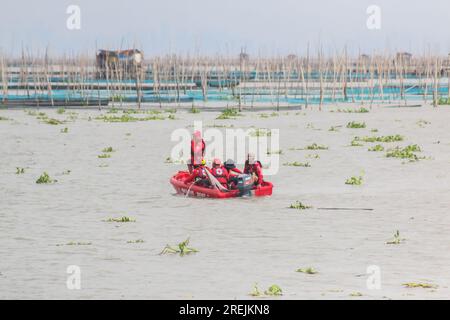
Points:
point(104, 156)
point(114, 110)
point(356, 125)
point(274, 290)
point(355, 181)
point(359, 110)
point(45, 179)
point(73, 243)
point(60, 110)
point(391, 138)
point(299, 206)
point(182, 248)
point(219, 126)
point(420, 285)
point(355, 294)
point(194, 110)
point(396, 239)
point(228, 114)
point(121, 219)
point(268, 115)
point(312, 156)
point(308, 270)
point(170, 160)
point(297, 164)
point(255, 292)
point(443, 101)
point(128, 118)
point(66, 172)
point(356, 143)
point(374, 130)
point(316, 146)
point(260, 132)
point(65, 130)
point(334, 128)
point(20, 170)
point(52, 121)
point(275, 152)
point(376, 148)
point(422, 123)
point(108, 150)
point(136, 241)
point(171, 117)
point(405, 153)
point(3, 119)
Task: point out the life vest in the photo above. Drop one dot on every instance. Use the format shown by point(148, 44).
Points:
point(221, 174)
point(252, 168)
point(197, 151)
point(200, 173)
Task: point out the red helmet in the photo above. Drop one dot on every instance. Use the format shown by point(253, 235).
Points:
point(197, 134)
point(217, 162)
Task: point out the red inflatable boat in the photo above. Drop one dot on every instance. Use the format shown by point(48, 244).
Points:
point(177, 182)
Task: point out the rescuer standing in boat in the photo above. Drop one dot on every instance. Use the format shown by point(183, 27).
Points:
point(197, 150)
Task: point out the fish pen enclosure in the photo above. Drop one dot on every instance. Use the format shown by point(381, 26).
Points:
point(124, 78)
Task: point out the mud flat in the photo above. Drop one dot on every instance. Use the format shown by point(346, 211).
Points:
point(44, 228)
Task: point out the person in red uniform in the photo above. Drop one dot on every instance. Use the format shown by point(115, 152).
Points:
point(197, 150)
point(254, 168)
point(231, 167)
point(198, 174)
point(233, 173)
point(220, 172)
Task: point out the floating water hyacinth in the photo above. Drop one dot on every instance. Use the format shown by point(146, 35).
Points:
point(45, 179)
point(420, 285)
point(53, 121)
point(376, 148)
point(356, 181)
point(391, 138)
point(275, 152)
point(396, 239)
point(123, 219)
point(308, 270)
point(299, 206)
point(405, 153)
point(297, 164)
point(356, 125)
point(108, 150)
point(274, 290)
point(316, 146)
point(260, 132)
point(182, 248)
point(228, 114)
point(136, 241)
point(73, 243)
point(104, 156)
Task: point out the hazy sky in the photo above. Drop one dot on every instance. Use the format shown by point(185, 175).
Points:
point(268, 27)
